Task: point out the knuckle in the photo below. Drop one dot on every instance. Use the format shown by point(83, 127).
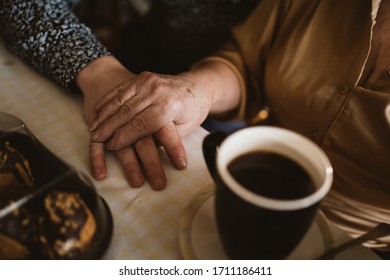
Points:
point(118, 100)
point(168, 129)
point(96, 153)
point(144, 144)
point(154, 80)
point(120, 139)
point(153, 168)
point(139, 124)
point(171, 103)
point(160, 87)
point(144, 74)
point(94, 148)
point(124, 114)
point(131, 166)
point(133, 173)
point(146, 77)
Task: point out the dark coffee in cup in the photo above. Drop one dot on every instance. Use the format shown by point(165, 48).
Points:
point(270, 182)
point(272, 175)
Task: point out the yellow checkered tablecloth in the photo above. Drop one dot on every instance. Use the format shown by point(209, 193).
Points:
point(146, 222)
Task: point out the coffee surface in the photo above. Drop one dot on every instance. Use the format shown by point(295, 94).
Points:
point(272, 175)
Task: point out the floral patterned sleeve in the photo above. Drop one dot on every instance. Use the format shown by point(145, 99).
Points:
point(49, 36)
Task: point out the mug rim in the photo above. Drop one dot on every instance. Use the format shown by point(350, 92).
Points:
point(273, 203)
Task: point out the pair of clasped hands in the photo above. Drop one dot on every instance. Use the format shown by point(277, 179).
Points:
point(135, 115)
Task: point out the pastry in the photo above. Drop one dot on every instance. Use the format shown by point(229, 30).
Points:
point(15, 173)
point(18, 235)
point(68, 226)
point(58, 225)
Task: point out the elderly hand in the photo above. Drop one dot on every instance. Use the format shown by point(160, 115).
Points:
point(143, 105)
point(95, 80)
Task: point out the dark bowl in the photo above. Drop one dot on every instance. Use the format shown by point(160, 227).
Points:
point(50, 175)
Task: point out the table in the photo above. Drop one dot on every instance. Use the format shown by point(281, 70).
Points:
point(146, 222)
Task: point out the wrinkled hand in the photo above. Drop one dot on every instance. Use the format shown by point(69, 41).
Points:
point(149, 104)
point(141, 157)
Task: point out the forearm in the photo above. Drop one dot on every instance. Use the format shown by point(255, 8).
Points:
point(49, 36)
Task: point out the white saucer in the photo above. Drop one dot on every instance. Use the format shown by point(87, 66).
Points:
point(199, 238)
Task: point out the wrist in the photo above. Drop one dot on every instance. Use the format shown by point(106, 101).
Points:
point(101, 75)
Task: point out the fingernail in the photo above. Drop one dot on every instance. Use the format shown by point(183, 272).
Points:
point(181, 163)
point(98, 174)
point(158, 183)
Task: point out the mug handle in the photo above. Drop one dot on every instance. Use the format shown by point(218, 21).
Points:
point(210, 144)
